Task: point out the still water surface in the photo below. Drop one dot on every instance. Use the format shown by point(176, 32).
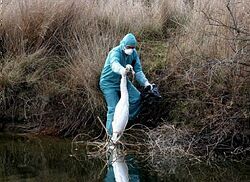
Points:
point(29, 158)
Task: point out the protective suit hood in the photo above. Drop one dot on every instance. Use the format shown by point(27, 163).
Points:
point(128, 40)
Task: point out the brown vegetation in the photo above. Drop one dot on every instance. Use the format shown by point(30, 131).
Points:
point(206, 80)
point(52, 53)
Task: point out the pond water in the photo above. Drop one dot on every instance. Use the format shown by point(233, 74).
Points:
point(29, 158)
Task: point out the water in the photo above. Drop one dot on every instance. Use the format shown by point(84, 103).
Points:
point(29, 158)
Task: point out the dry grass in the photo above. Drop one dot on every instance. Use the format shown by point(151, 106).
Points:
point(206, 80)
point(52, 54)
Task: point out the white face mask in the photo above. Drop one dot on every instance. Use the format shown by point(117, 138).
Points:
point(128, 51)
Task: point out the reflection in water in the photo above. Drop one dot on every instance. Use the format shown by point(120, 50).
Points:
point(27, 158)
point(120, 167)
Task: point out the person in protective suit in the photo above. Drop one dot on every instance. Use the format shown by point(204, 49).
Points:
point(121, 55)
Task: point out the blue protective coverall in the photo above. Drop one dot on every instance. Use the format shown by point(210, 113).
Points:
point(110, 79)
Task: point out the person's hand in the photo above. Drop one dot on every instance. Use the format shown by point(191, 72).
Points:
point(125, 71)
point(148, 85)
point(130, 68)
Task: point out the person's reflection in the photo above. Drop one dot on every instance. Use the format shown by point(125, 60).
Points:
point(121, 168)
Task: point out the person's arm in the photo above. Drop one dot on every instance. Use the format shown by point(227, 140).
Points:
point(115, 65)
point(139, 75)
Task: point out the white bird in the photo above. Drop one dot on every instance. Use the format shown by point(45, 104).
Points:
point(119, 166)
point(121, 114)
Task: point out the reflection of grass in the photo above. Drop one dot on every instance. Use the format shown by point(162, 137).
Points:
point(43, 159)
point(47, 159)
point(182, 171)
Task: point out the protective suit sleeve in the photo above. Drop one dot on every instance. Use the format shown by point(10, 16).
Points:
point(115, 65)
point(139, 75)
point(141, 78)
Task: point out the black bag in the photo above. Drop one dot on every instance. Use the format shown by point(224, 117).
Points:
point(150, 95)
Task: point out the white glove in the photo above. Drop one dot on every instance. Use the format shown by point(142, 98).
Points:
point(148, 84)
point(124, 71)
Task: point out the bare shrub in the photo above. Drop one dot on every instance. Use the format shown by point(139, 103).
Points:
point(207, 77)
point(72, 39)
point(52, 53)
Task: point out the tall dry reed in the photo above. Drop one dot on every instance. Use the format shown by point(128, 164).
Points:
point(206, 81)
point(52, 54)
